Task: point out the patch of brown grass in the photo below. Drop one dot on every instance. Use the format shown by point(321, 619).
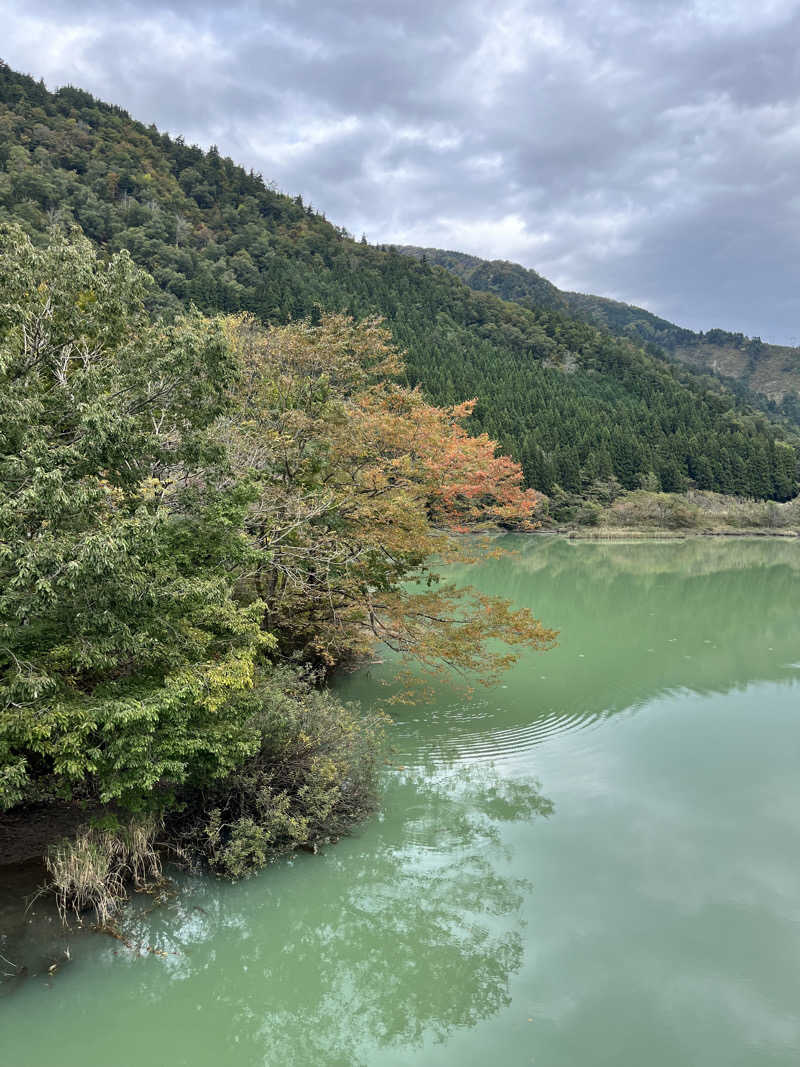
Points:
point(92, 870)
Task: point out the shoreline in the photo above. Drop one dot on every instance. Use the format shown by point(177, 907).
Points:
point(620, 533)
point(26, 833)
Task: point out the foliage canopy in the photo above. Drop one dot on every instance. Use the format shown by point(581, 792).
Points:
point(186, 504)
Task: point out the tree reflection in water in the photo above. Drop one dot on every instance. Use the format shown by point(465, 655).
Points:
point(392, 940)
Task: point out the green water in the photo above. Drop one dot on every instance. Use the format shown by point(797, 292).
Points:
point(650, 919)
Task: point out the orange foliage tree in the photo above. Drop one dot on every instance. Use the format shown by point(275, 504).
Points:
point(359, 486)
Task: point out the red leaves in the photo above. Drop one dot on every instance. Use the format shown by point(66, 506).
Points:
point(359, 478)
point(466, 482)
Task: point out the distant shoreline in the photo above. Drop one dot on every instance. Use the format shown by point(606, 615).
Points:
point(655, 534)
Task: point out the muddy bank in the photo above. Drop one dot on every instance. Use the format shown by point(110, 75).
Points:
point(33, 942)
point(26, 832)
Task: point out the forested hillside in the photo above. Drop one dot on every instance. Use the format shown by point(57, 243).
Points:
point(766, 375)
point(572, 403)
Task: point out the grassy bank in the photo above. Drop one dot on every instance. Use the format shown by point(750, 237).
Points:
point(644, 514)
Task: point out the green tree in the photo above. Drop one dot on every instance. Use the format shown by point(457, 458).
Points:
point(122, 650)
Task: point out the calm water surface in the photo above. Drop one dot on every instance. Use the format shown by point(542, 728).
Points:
point(597, 862)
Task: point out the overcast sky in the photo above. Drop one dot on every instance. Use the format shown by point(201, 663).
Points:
point(647, 150)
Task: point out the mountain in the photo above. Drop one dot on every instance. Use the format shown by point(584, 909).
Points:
point(766, 375)
point(574, 403)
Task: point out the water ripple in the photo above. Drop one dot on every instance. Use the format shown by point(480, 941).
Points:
point(492, 745)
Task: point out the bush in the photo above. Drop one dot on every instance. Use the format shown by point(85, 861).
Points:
point(589, 514)
point(313, 778)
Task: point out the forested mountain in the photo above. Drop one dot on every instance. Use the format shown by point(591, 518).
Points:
point(767, 375)
point(572, 402)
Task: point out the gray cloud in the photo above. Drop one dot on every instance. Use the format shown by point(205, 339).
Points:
point(641, 149)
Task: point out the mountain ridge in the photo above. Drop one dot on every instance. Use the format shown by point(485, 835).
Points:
point(769, 373)
point(574, 404)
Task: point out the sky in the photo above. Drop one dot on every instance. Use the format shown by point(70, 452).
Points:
point(646, 150)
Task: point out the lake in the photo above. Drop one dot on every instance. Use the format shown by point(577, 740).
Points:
point(596, 861)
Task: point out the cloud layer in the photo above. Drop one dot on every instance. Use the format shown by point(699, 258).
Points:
point(642, 149)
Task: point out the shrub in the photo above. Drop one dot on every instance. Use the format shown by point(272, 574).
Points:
point(589, 514)
point(313, 778)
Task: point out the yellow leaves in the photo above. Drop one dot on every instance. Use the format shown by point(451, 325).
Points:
point(212, 684)
point(152, 489)
point(86, 298)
